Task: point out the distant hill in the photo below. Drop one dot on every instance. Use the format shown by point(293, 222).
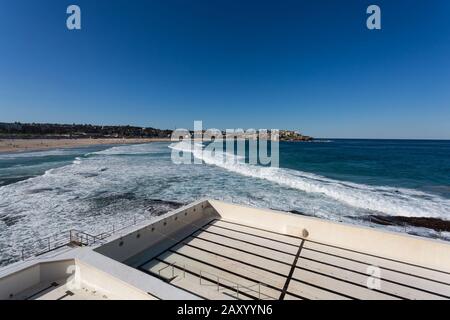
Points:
point(50, 130)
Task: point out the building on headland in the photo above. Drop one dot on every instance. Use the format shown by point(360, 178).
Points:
point(279, 135)
point(289, 135)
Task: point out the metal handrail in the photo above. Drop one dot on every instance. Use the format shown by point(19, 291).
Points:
point(234, 284)
point(36, 247)
point(219, 280)
point(86, 239)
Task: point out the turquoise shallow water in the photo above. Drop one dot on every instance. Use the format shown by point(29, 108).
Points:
point(42, 193)
point(15, 167)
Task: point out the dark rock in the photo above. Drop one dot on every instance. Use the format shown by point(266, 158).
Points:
point(421, 222)
point(158, 207)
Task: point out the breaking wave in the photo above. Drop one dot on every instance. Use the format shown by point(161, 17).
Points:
point(392, 201)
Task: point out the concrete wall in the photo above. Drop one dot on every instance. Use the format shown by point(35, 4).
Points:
point(117, 278)
point(112, 287)
point(51, 271)
point(17, 282)
point(170, 228)
point(416, 250)
point(21, 280)
point(160, 235)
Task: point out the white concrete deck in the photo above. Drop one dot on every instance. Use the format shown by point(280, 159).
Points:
point(225, 259)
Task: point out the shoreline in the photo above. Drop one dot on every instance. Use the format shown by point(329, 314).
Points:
point(32, 144)
point(25, 145)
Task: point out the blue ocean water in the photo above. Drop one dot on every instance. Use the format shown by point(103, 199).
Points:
point(92, 188)
point(416, 164)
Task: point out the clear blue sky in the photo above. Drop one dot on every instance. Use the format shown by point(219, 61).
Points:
point(307, 65)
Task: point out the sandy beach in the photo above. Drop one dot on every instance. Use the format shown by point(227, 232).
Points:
point(18, 145)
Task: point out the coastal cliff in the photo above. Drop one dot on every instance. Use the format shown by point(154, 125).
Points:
point(289, 135)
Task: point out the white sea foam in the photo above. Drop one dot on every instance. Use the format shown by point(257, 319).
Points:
point(137, 149)
point(393, 201)
point(33, 154)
